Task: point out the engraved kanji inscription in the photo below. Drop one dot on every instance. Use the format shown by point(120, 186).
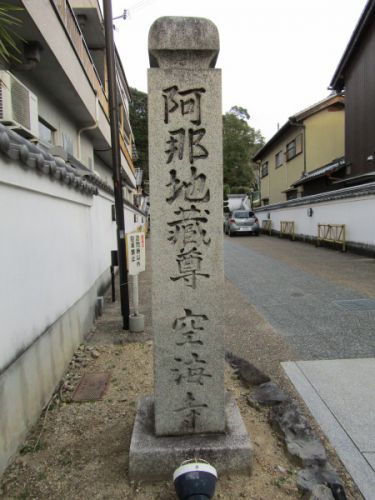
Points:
point(176, 144)
point(191, 369)
point(189, 328)
point(188, 230)
point(191, 410)
point(187, 102)
point(193, 189)
point(196, 149)
point(189, 266)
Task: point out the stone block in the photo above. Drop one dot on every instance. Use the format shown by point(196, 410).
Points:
point(154, 458)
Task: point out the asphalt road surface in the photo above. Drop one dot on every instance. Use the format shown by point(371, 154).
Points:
point(321, 301)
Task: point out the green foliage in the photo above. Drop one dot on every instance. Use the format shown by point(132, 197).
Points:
point(29, 448)
point(226, 191)
point(240, 143)
point(139, 124)
point(8, 21)
point(240, 189)
point(241, 113)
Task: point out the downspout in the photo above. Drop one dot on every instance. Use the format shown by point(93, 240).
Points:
point(90, 127)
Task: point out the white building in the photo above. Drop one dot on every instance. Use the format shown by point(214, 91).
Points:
point(238, 202)
point(56, 199)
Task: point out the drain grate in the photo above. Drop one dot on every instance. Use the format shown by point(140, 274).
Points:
point(91, 387)
point(356, 305)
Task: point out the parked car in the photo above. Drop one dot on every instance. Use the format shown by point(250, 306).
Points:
point(241, 221)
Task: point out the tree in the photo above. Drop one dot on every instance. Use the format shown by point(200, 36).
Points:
point(8, 37)
point(138, 120)
point(240, 143)
point(226, 191)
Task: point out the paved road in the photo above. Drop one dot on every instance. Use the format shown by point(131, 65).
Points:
point(318, 317)
point(322, 304)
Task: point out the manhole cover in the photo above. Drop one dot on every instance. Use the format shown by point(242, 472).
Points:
point(356, 305)
point(91, 387)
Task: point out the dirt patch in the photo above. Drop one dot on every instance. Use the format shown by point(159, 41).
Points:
point(80, 450)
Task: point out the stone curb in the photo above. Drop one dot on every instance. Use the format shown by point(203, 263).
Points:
point(318, 480)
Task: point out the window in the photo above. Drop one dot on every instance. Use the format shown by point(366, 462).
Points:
point(67, 143)
point(46, 132)
point(264, 169)
point(290, 150)
point(279, 159)
point(243, 214)
point(293, 148)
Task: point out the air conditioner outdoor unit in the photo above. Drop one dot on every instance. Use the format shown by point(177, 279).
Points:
point(18, 106)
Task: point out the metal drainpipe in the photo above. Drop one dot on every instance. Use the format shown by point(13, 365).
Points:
point(90, 127)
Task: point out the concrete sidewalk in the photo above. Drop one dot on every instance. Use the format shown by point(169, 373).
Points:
point(340, 395)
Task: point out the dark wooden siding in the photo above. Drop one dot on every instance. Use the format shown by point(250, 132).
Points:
point(360, 105)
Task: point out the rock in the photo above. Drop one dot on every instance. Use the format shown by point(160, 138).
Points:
point(248, 372)
point(268, 394)
point(305, 451)
point(311, 477)
point(287, 418)
point(302, 445)
point(95, 354)
point(281, 469)
point(320, 492)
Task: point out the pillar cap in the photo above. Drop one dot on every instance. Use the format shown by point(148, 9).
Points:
point(186, 42)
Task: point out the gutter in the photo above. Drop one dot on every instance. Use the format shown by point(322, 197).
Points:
point(90, 127)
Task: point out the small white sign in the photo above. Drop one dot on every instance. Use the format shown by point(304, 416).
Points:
point(136, 252)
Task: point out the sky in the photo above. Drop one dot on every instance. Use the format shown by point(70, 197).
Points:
point(277, 56)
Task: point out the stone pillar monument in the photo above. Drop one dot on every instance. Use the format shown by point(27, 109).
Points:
point(186, 171)
point(189, 414)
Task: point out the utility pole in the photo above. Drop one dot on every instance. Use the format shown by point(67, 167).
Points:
point(116, 161)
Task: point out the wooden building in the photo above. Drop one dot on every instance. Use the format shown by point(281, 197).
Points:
point(309, 140)
point(355, 75)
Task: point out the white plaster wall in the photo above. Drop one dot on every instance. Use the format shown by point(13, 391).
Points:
point(355, 213)
point(103, 170)
point(55, 243)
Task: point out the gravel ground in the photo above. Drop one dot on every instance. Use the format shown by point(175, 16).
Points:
point(80, 450)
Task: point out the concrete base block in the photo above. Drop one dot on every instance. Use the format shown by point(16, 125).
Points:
point(137, 323)
point(156, 458)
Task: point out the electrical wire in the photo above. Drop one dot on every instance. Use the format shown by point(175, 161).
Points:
point(140, 5)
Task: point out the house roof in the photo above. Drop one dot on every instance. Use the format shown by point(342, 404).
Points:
point(331, 167)
point(298, 119)
point(365, 21)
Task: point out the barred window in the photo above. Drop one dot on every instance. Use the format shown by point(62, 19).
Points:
point(264, 169)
